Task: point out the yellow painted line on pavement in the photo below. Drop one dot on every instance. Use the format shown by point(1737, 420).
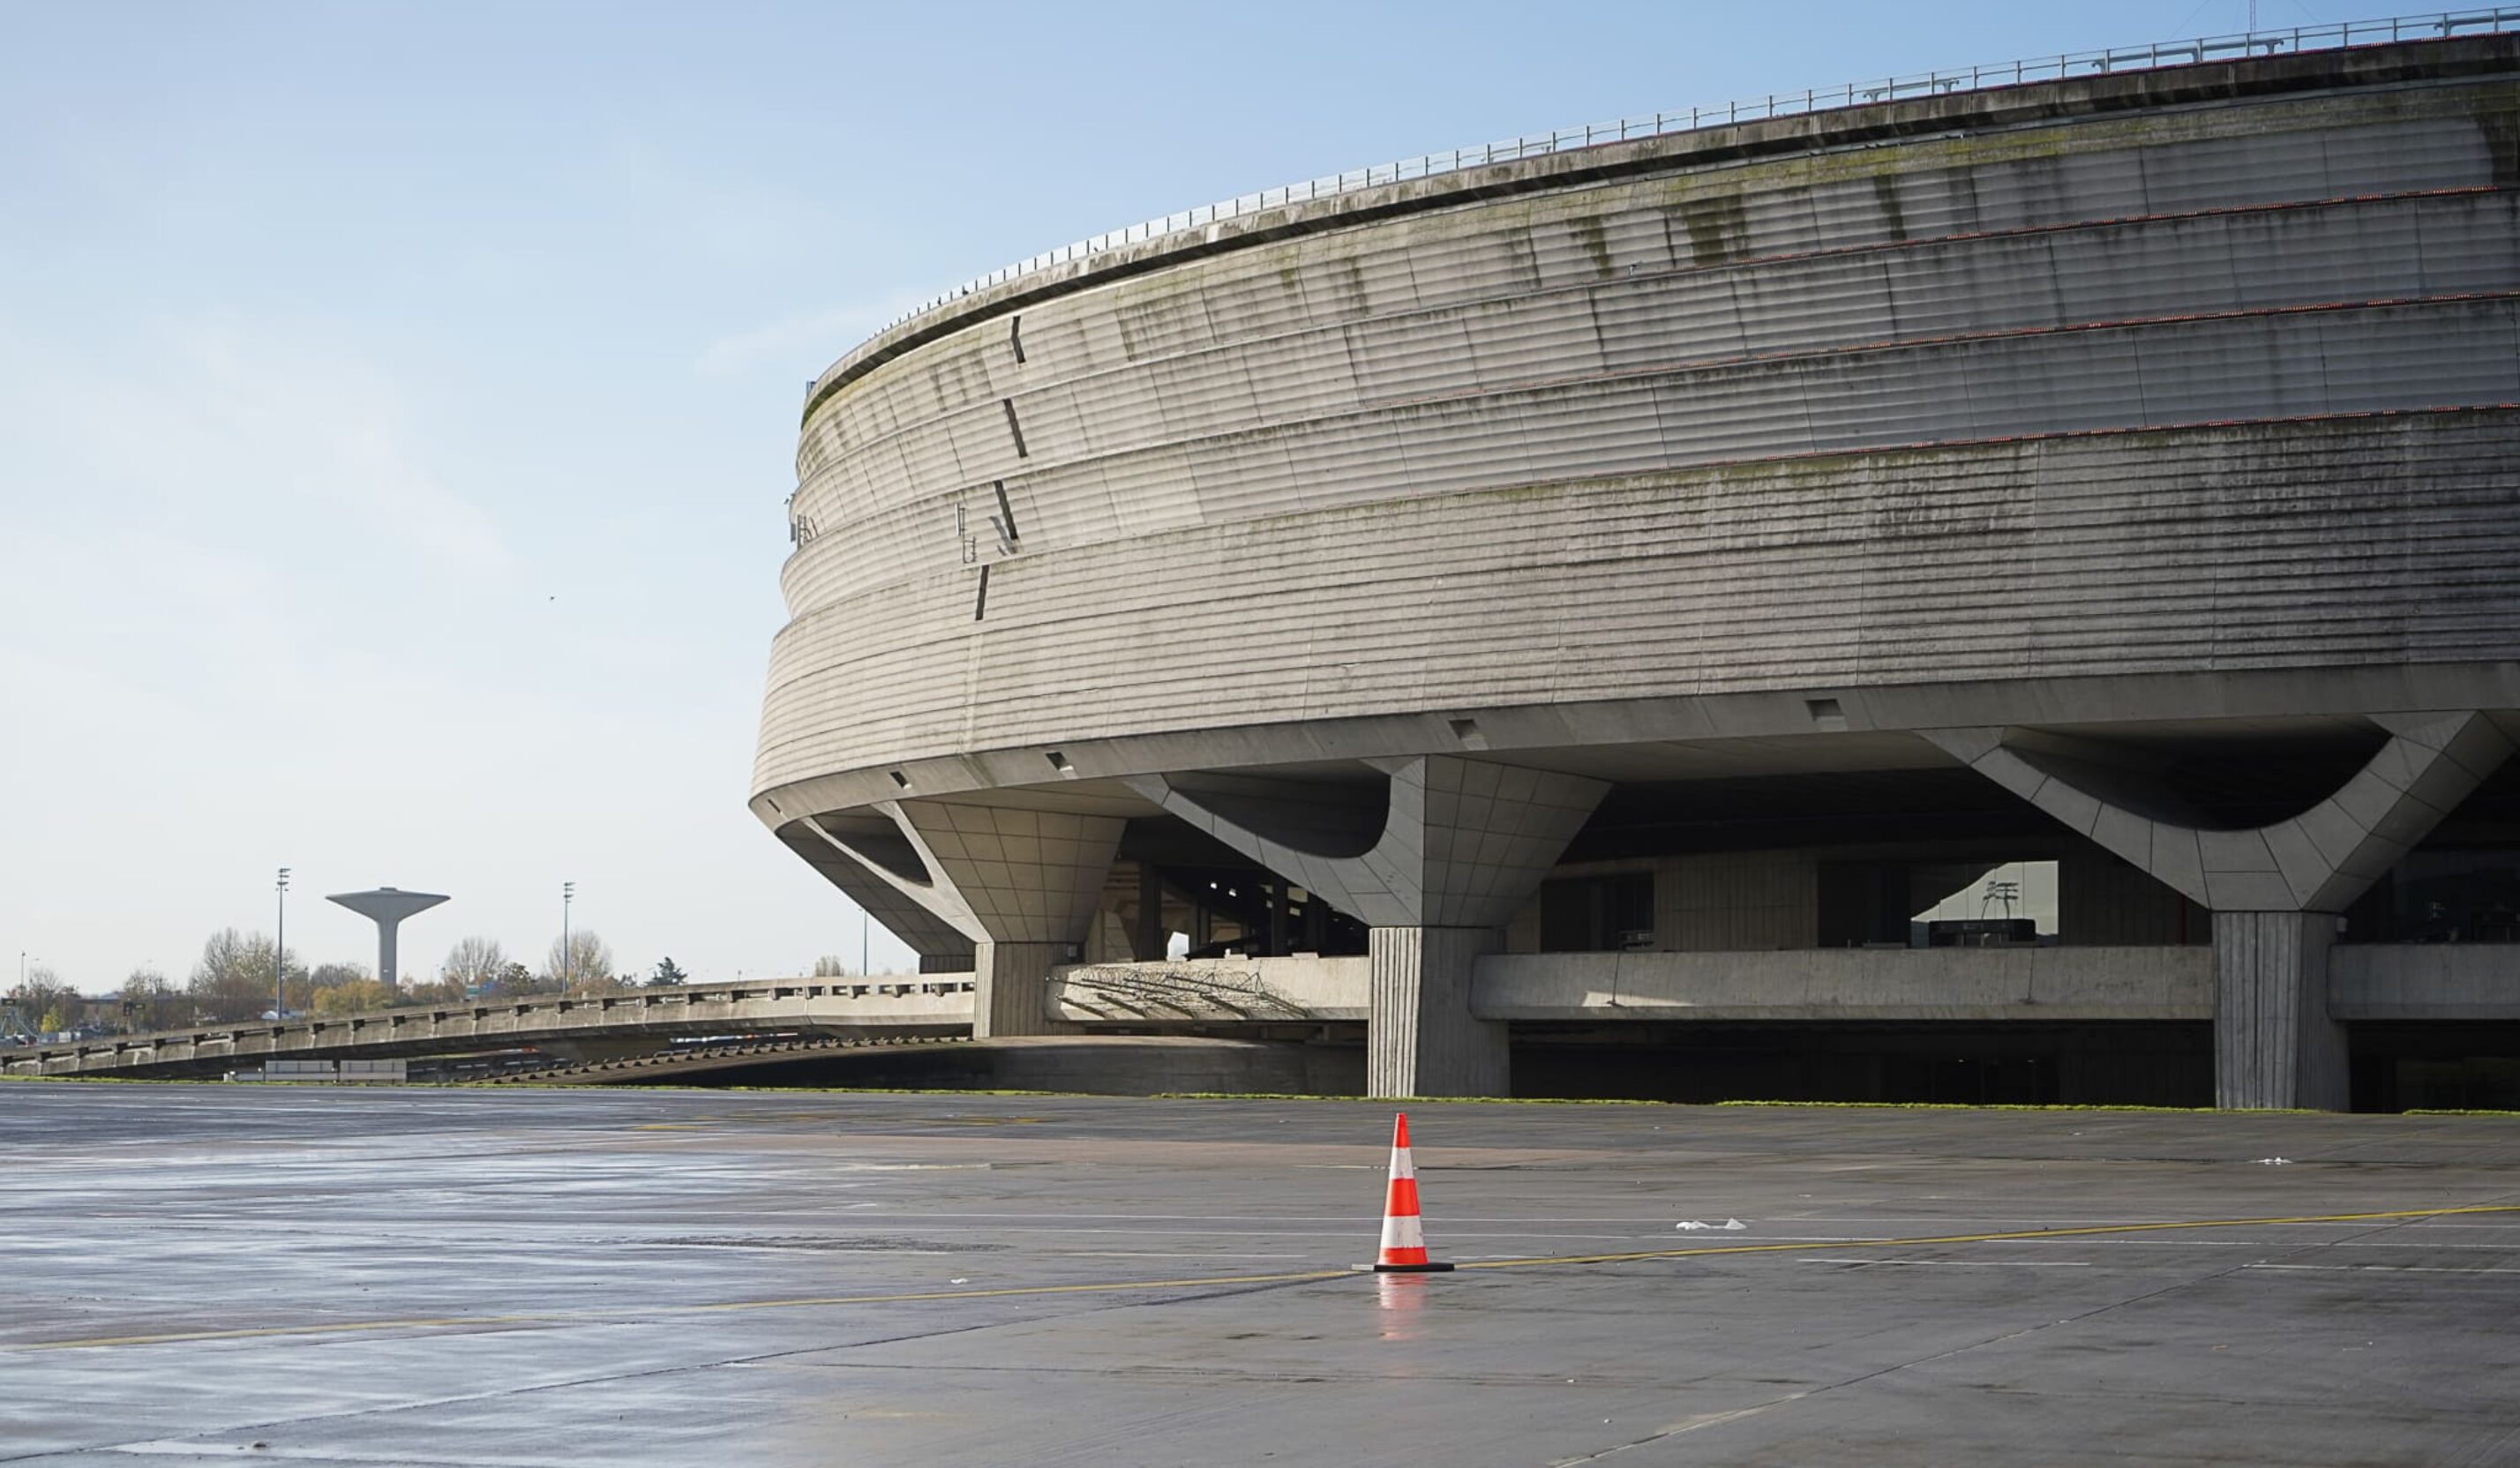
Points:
point(2082, 1231)
point(1214, 1281)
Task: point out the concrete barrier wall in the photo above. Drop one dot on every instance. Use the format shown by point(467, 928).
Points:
point(929, 1005)
point(2372, 982)
point(2436, 981)
point(1850, 983)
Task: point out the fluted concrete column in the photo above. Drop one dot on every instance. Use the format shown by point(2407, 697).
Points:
point(1420, 1038)
point(2274, 1043)
point(1011, 983)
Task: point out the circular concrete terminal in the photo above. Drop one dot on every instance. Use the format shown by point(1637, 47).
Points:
point(2114, 471)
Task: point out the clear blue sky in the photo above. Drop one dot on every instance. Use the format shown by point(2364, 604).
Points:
point(396, 401)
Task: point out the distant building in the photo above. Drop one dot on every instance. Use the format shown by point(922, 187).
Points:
point(1624, 588)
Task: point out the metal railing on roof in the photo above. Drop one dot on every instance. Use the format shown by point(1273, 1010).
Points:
point(2256, 43)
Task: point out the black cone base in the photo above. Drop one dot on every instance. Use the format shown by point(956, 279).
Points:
point(1426, 1269)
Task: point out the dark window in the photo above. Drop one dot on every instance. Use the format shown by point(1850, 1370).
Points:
point(1592, 915)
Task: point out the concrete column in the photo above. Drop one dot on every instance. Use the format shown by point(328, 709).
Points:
point(1010, 985)
point(2273, 1041)
point(1420, 1039)
point(1021, 886)
point(1463, 843)
point(2275, 891)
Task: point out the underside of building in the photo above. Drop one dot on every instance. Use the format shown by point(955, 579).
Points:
point(2003, 595)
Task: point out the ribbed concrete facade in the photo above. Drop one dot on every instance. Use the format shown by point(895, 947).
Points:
point(2163, 401)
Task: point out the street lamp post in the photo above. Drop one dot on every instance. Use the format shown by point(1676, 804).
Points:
point(568, 959)
point(279, 951)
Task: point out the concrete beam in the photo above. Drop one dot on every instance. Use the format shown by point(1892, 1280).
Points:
point(2318, 862)
point(1463, 842)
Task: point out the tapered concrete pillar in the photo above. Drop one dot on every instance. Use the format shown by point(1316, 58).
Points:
point(2274, 1043)
point(1421, 1038)
point(1028, 882)
point(1460, 845)
point(2274, 890)
point(1020, 886)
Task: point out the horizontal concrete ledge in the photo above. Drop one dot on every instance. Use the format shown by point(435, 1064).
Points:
point(2367, 982)
point(2451, 981)
point(1824, 984)
point(1852, 984)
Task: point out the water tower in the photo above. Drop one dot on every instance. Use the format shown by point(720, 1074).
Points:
point(387, 908)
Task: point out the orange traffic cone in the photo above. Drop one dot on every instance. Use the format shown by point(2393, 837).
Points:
point(1403, 1240)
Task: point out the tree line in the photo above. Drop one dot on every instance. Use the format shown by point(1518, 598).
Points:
point(235, 980)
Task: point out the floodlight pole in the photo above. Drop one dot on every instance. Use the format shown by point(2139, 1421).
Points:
point(280, 952)
point(567, 964)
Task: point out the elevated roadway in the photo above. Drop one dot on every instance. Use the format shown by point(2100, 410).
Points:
point(586, 1026)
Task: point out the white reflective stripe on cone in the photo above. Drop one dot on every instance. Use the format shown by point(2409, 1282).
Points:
point(1401, 1166)
point(1402, 1231)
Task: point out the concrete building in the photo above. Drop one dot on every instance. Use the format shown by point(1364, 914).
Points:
point(1671, 568)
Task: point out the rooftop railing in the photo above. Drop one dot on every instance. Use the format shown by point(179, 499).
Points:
point(2255, 43)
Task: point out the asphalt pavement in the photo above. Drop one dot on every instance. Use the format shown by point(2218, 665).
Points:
point(564, 1277)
